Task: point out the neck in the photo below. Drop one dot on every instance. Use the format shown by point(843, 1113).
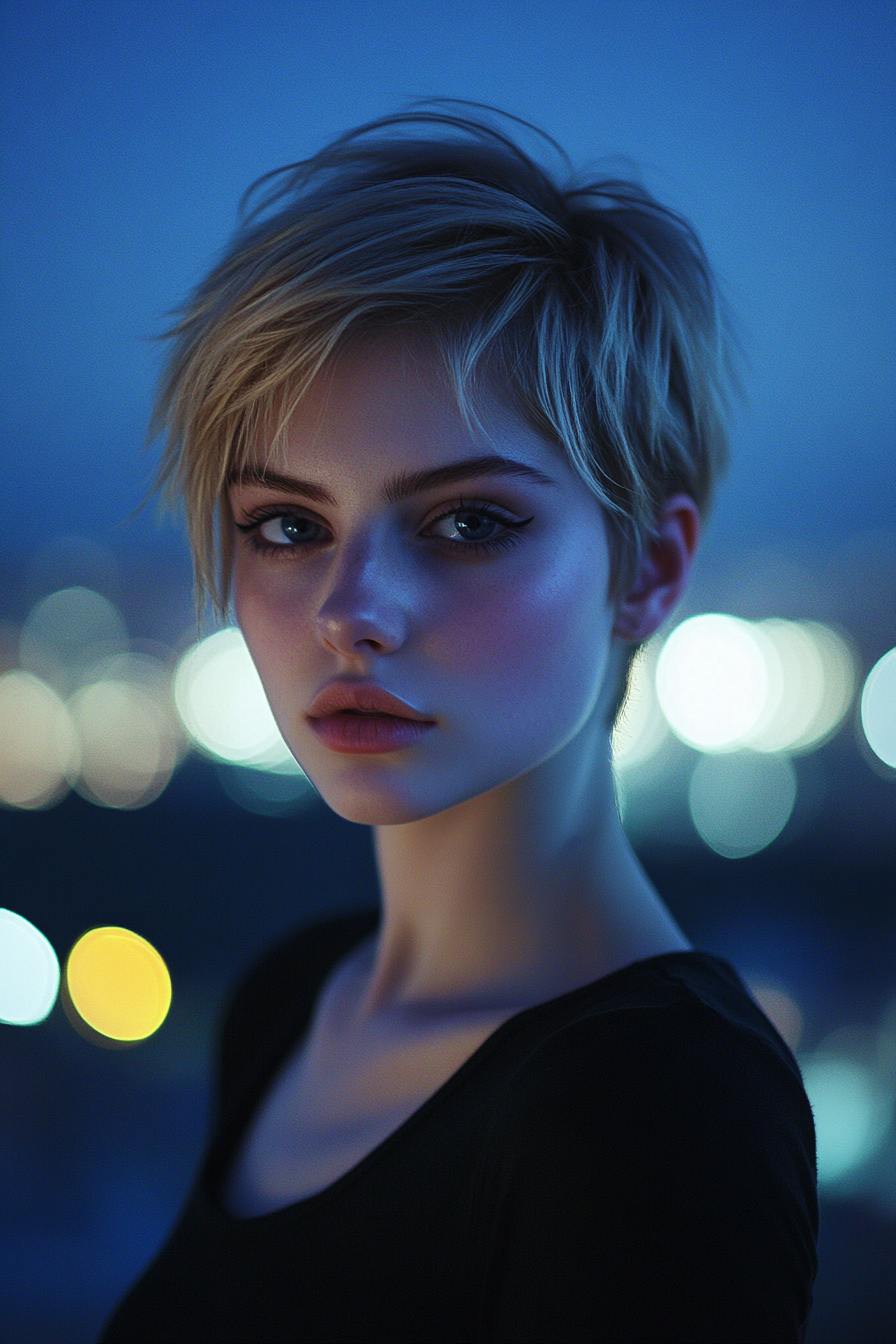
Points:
point(518, 895)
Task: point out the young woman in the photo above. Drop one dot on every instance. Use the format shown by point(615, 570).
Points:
point(446, 429)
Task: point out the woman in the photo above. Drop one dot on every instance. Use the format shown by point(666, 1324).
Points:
point(452, 427)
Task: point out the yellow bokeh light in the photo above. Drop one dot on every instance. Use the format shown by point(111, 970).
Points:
point(118, 984)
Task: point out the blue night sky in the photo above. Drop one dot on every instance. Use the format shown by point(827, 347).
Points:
point(130, 129)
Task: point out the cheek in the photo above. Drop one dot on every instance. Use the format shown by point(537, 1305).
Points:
point(276, 626)
point(537, 642)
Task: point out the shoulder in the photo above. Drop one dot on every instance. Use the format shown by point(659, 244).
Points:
point(670, 1088)
point(279, 990)
point(677, 1040)
point(651, 1168)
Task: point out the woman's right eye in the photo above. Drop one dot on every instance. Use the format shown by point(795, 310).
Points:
point(289, 530)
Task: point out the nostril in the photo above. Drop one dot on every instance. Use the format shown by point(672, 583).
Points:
point(362, 631)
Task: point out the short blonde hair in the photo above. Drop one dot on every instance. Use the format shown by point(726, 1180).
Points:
point(588, 304)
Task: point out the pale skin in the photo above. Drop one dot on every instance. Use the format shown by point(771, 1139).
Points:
point(506, 877)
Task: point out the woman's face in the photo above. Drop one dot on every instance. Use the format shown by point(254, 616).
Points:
point(390, 549)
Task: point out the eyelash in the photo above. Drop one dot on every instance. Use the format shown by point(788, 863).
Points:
point(507, 539)
point(257, 520)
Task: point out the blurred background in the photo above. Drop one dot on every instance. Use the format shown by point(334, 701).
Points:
point(142, 784)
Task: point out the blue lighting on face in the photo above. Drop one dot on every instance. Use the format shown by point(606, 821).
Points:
point(130, 132)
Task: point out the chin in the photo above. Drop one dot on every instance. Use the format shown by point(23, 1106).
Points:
point(394, 790)
point(378, 806)
point(374, 796)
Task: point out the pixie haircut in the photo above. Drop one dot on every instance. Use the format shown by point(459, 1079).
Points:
point(586, 306)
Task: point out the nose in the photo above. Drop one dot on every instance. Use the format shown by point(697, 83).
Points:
point(363, 611)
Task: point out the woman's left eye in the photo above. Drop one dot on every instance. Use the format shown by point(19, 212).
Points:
point(289, 530)
point(470, 525)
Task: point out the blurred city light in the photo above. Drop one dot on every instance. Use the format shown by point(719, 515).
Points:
point(740, 803)
point(796, 686)
point(781, 1010)
point(89, 712)
point(640, 727)
point(712, 682)
point(878, 709)
point(38, 744)
point(128, 734)
point(67, 634)
point(773, 685)
point(852, 1105)
point(29, 972)
point(839, 685)
point(222, 703)
point(118, 984)
point(277, 792)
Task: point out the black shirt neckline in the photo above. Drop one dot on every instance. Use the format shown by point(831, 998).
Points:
point(231, 1134)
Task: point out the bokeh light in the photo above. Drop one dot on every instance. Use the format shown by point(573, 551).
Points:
point(781, 1009)
point(129, 735)
point(29, 972)
point(39, 753)
point(852, 1110)
point(712, 682)
point(795, 686)
point(222, 703)
point(87, 711)
point(839, 666)
point(67, 634)
point(772, 686)
point(118, 984)
point(640, 727)
point(878, 709)
point(740, 803)
point(269, 793)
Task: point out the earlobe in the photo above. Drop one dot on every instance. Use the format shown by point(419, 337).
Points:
point(664, 573)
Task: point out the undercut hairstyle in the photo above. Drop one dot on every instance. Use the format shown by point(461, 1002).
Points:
point(584, 305)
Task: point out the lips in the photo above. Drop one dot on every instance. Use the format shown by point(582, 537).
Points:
point(363, 719)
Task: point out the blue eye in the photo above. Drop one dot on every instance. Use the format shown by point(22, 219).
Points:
point(473, 529)
point(466, 525)
point(289, 530)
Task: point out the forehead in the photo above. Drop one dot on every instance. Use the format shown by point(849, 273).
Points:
point(388, 406)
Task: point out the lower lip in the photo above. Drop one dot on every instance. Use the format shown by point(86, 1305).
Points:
point(368, 734)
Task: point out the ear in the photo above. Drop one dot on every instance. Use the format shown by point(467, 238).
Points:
point(664, 573)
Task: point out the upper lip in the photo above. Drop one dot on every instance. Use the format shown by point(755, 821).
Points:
point(361, 696)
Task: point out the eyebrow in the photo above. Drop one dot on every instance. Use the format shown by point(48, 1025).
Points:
point(405, 484)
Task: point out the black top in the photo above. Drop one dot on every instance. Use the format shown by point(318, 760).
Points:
point(633, 1161)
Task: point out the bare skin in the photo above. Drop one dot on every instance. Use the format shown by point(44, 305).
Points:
point(506, 877)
